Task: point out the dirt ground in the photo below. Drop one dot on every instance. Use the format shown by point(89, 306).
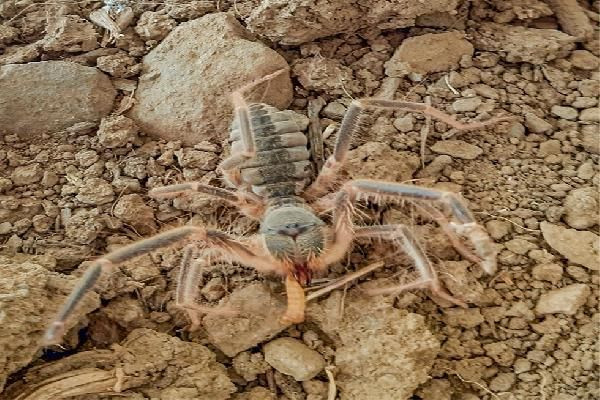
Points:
point(102, 101)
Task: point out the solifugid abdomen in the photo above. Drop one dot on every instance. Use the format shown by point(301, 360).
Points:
point(281, 166)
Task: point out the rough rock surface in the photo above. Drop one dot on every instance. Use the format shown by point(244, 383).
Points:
point(292, 357)
point(29, 298)
point(147, 362)
point(581, 247)
point(566, 300)
point(183, 93)
point(381, 352)
point(257, 320)
point(520, 44)
point(457, 148)
point(420, 55)
point(582, 208)
point(300, 21)
point(44, 97)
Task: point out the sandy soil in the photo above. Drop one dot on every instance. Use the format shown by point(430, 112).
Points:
point(100, 105)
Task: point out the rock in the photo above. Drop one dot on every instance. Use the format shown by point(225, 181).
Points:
point(8, 34)
point(466, 105)
point(30, 295)
point(84, 226)
point(119, 65)
point(582, 208)
point(591, 139)
point(256, 393)
point(117, 131)
point(27, 174)
point(132, 210)
point(154, 25)
point(438, 389)
point(203, 160)
point(257, 320)
point(435, 167)
point(584, 59)
point(300, 21)
point(69, 33)
point(184, 91)
point(334, 110)
point(521, 44)
point(45, 97)
point(580, 247)
point(520, 246)
point(584, 102)
point(590, 115)
point(95, 191)
point(382, 352)
point(404, 124)
point(566, 300)
point(425, 54)
point(5, 184)
point(565, 112)
point(548, 272)
point(497, 229)
point(292, 357)
point(548, 147)
point(502, 382)
point(589, 87)
point(325, 75)
point(537, 125)
point(457, 148)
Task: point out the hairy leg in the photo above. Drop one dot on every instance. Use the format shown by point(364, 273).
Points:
point(211, 238)
point(409, 244)
point(250, 204)
point(463, 223)
point(352, 123)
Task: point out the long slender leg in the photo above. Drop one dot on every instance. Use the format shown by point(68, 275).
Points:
point(215, 239)
point(410, 245)
point(188, 285)
point(464, 223)
point(242, 113)
point(353, 122)
point(249, 203)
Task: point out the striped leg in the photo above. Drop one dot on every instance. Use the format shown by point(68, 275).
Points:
point(353, 122)
point(216, 240)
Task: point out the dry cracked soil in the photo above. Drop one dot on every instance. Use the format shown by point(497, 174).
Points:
point(102, 101)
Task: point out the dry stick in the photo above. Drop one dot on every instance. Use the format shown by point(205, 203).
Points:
point(315, 137)
point(345, 279)
point(332, 389)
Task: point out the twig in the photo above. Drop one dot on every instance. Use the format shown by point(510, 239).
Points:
point(332, 389)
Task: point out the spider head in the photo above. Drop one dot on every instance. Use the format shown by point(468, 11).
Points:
point(293, 234)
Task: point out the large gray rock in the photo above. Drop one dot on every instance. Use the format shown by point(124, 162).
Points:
point(301, 21)
point(44, 97)
point(184, 91)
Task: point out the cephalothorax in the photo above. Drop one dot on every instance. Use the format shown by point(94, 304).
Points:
point(268, 171)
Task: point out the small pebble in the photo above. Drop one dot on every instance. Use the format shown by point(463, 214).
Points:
point(536, 124)
point(564, 112)
point(467, 104)
point(548, 272)
point(457, 148)
point(292, 357)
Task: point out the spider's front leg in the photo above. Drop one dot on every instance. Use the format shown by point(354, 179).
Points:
point(221, 242)
point(463, 222)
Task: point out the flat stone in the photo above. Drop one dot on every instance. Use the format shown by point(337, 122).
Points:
point(257, 320)
point(45, 97)
point(536, 124)
point(584, 59)
point(590, 114)
point(27, 174)
point(432, 52)
point(580, 247)
point(565, 112)
point(457, 148)
point(184, 92)
point(292, 357)
point(467, 104)
point(566, 300)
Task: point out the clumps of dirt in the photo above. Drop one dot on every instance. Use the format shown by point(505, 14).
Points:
point(146, 363)
point(30, 294)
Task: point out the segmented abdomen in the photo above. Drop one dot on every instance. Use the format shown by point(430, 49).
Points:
point(281, 166)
